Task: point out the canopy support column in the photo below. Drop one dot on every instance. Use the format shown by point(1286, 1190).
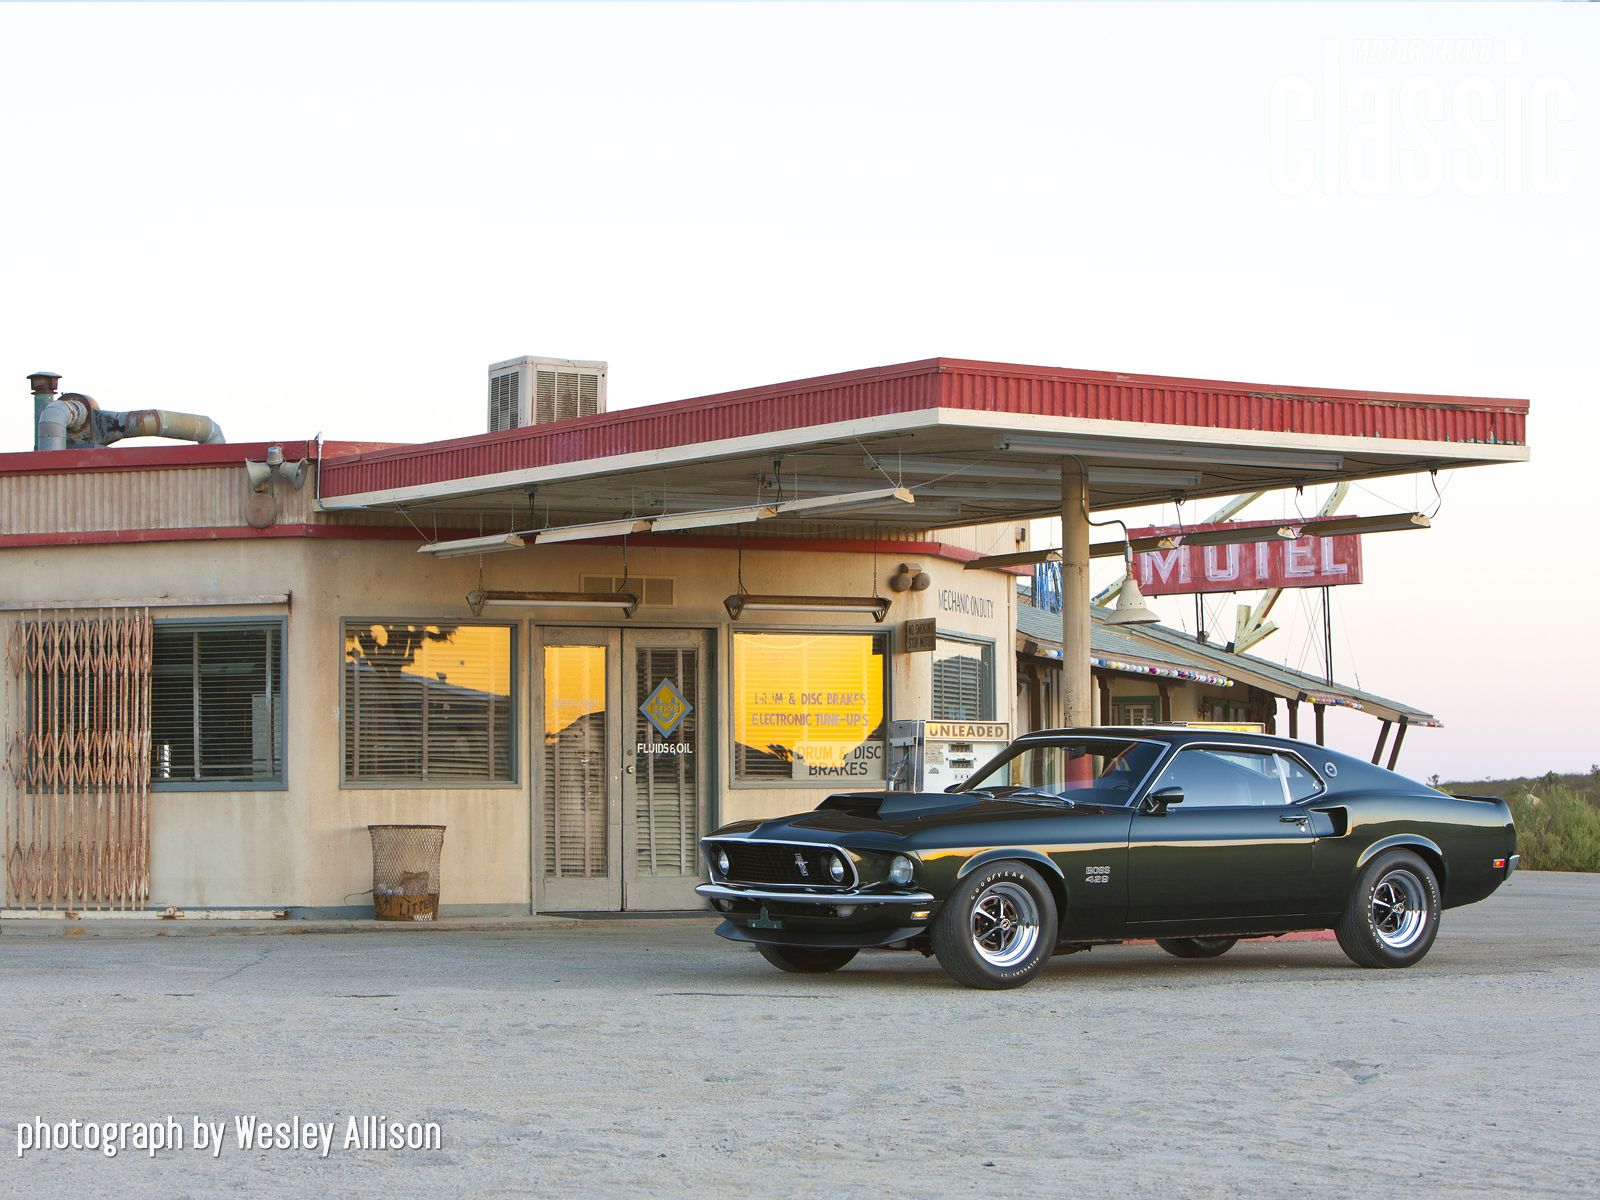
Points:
point(1320, 710)
point(1383, 737)
point(1077, 687)
point(1399, 736)
point(1294, 718)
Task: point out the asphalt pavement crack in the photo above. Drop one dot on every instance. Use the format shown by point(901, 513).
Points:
point(255, 962)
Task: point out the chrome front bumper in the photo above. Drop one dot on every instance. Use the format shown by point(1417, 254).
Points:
point(720, 891)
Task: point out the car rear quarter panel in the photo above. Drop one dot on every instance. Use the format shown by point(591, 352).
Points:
point(1459, 838)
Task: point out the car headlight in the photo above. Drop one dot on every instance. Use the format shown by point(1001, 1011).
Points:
point(900, 870)
point(836, 868)
point(722, 861)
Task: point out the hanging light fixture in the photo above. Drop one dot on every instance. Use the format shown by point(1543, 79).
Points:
point(492, 543)
point(623, 602)
point(1131, 608)
point(742, 602)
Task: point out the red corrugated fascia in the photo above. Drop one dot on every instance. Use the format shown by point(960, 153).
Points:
point(937, 383)
point(794, 405)
point(1215, 404)
point(132, 458)
point(960, 366)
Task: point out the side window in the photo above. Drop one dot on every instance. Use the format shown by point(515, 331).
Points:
point(1224, 778)
point(216, 704)
point(1302, 783)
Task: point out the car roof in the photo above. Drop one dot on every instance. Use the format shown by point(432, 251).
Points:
point(1348, 765)
point(1175, 734)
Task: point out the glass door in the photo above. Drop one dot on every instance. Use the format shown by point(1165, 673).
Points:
point(619, 793)
point(665, 806)
point(578, 772)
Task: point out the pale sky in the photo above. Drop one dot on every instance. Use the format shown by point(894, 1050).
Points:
point(310, 218)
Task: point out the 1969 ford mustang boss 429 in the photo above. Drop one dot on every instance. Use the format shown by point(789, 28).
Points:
point(1082, 837)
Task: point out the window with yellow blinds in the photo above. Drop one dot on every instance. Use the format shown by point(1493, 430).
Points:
point(428, 703)
point(809, 707)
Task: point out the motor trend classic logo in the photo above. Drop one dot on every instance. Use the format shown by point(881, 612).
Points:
point(1419, 116)
point(168, 1134)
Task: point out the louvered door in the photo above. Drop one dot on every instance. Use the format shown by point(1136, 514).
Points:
point(577, 772)
point(663, 784)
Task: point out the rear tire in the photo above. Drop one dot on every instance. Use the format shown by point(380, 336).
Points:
point(802, 961)
point(1197, 947)
point(1393, 914)
point(998, 928)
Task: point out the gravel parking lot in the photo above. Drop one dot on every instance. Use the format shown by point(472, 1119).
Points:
point(651, 1058)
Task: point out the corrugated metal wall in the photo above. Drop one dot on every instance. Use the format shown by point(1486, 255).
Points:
point(68, 502)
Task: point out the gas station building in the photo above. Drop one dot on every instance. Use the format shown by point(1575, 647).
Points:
point(586, 638)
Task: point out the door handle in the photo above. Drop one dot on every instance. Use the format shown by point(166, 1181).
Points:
point(1295, 818)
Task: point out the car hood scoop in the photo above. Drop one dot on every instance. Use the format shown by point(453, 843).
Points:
point(894, 806)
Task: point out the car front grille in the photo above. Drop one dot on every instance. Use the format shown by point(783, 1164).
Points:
point(779, 862)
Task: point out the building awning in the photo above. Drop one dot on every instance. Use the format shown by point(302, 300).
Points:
point(1039, 634)
point(1299, 687)
point(1162, 652)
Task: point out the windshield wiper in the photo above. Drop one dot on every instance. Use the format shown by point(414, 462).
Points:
point(1039, 795)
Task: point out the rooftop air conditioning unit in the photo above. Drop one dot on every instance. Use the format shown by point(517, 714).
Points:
point(536, 391)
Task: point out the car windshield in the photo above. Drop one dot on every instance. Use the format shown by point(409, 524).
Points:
point(1084, 770)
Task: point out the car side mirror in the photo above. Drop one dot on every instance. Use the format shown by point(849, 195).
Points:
point(1162, 798)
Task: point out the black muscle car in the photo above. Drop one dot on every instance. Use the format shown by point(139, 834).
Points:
point(1081, 837)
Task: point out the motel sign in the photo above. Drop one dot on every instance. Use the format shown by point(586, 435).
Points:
point(1246, 566)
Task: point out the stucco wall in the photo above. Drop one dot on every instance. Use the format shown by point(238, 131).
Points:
point(306, 845)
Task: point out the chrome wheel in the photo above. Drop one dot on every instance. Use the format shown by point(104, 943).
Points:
point(1399, 911)
point(1005, 924)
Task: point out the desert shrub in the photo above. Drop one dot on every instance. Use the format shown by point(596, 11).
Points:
point(1557, 829)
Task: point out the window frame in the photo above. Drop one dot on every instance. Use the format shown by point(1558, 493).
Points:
point(989, 688)
point(1322, 784)
point(819, 785)
point(1278, 752)
point(281, 623)
point(1140, 791)
point(346, 783)
point(1153, 699)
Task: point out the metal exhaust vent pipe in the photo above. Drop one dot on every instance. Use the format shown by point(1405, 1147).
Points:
point(180, 426)
point(75, 420)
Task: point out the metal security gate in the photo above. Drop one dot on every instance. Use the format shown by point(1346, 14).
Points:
point(619, 789)
point(76, 784)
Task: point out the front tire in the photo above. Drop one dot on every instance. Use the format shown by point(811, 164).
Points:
point(1197, 947)
point(998, 929)
point(1393, 914)
point(802, 961)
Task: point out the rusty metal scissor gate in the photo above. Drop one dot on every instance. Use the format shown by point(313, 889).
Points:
point(76, 784)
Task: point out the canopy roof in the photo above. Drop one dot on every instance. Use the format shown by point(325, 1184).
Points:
point(970, 442)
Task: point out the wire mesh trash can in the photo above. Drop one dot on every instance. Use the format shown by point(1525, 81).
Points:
point(405, 871)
